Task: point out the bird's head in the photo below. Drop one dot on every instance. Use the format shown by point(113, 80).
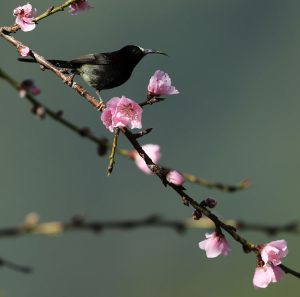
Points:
point(137, 53)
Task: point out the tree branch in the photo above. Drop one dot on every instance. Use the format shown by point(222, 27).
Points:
point(14, 28)
point(78, 223)
point(104, 145)
point(32, 225)
point(156, 169)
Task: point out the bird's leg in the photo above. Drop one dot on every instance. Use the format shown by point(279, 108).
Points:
point(101, 102)
point(70, 79)
point(72, 75)
point(99, 96)
point(113, 152)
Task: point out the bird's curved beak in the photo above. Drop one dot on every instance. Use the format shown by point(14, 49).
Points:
point(151, 51)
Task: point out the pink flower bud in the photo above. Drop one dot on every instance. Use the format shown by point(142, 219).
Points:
point(24, 17)
point(266, 274)
point(160, 84)
point(210, 202)
point(24, 51)
point(175, 178)
point(273, 251)
point(153, 151)
point(122, 112)
point(28, 87)
point(78, 6)
point(215, 245)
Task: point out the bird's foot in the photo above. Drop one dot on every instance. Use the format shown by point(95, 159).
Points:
point(101, 105)
point(69, 80)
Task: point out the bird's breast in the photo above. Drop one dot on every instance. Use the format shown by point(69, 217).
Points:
point(103, 77)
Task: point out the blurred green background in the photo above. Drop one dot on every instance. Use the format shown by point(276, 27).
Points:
point(236, 64)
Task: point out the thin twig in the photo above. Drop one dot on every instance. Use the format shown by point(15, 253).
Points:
point(13, 266)
point(292, 227)
point(56, 115)
point(289, 270)
point(188, 200)
point(68, 80)
point(14, 28)
point(244, 184)
point(78, 223)
point(103, 142)
point(113, 152)
point(271, 230)
point(157, 170)
point(32, 225)
point(152, 100)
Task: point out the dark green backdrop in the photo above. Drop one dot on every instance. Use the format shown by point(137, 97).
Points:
point(236, 64)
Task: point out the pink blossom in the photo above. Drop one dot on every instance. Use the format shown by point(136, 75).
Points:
point(28, 87)
point(160, 84)
point(24, 51)
point(273, 251)
point(153, 151)
point(175, 178)
point(78, 6)
point(266, 274)
point(122, 112)
point(25, 15)
point(215, 245)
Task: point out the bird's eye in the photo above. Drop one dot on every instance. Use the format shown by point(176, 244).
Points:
point(142, 49)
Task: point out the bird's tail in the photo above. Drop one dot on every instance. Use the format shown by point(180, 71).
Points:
point(57, 63)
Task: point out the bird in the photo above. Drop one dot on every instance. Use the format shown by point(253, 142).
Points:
point(104, 71)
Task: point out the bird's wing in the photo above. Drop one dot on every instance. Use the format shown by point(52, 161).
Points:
point(92, 59)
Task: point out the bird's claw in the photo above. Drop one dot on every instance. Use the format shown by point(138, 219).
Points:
point(69, 80)
point(100, 106)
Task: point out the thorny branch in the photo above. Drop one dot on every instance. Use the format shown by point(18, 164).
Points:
point(156, 169)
